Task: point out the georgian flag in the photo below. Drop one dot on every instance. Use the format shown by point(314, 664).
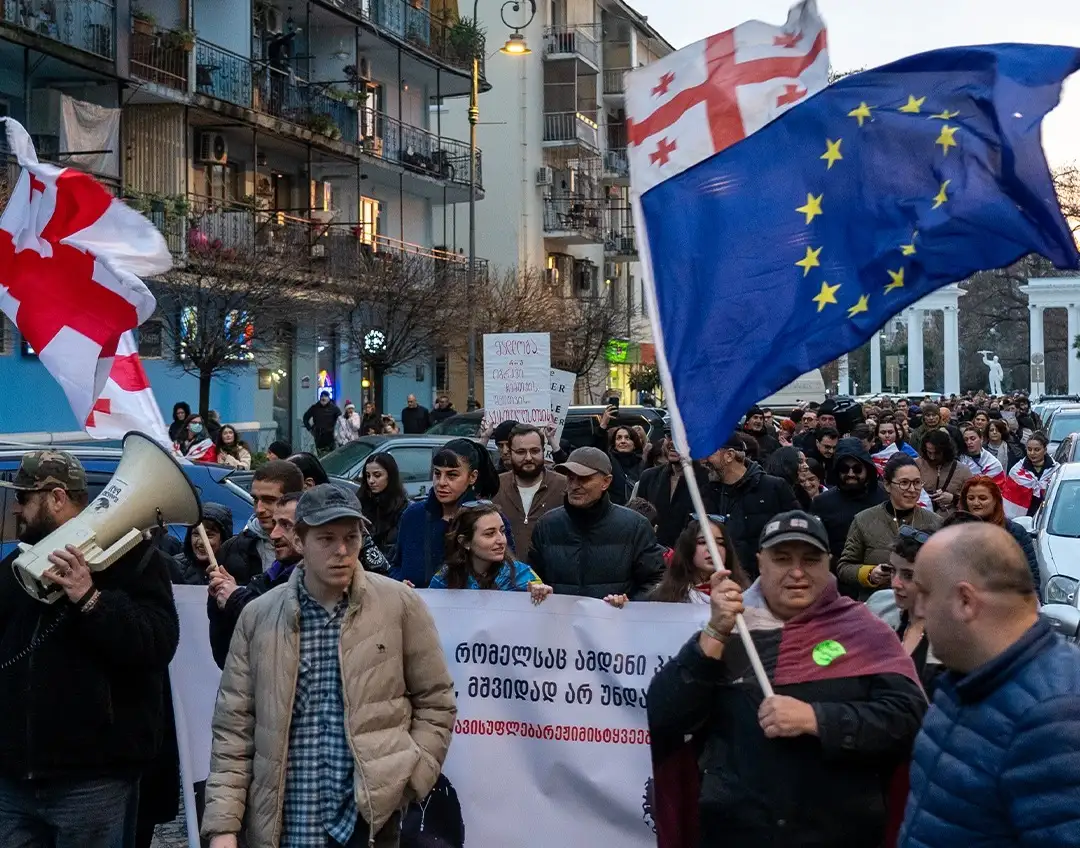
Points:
point(127, 402)
point(985, 465)
point(71, 256)
point(1021, 487)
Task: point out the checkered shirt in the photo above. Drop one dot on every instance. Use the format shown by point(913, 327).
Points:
point(320, 798)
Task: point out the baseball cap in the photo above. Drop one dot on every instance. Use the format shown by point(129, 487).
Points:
point(584, 462)
point(795, 526)
point(48, 469)
point(325, 503)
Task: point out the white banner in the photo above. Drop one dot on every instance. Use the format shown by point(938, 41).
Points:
point(551, 741)
point(562, 392)
point(517, 370)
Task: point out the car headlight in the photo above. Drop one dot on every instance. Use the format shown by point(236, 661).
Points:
point(1060, 590)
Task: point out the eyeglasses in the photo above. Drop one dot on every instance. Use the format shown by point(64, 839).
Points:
point(718, 519)
point(476, 504)
point(521, 453)
point(907, 485)
point(849, 469)
point(909, 532)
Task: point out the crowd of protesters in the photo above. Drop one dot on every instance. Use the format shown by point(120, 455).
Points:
point(870, 549)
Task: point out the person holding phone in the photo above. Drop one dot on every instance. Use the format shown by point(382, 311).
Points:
point(626, 449)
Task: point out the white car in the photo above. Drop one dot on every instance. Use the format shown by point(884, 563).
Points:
point(1056, 531)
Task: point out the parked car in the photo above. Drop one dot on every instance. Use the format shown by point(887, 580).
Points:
point(1056, 532)
point(1068, 450)
point(582, 423)
point(213, 483)
point(1060, 422)
point(413, 455)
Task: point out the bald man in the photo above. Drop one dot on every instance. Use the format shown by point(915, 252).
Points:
point(997, 762)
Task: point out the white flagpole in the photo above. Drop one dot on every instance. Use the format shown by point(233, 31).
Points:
point(678, 430)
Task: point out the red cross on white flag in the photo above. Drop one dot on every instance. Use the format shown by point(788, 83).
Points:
point(127, 402)
point(699, 100)
point(70, 260)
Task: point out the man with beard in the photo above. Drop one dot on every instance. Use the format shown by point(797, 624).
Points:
point(81, 698)
point(857, 489)
point(664, 486)
point(529, 490)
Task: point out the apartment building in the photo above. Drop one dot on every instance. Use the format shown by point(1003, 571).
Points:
point(554, 135)
point(294, 131)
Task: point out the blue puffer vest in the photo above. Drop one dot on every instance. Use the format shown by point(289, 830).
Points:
point(997, 762)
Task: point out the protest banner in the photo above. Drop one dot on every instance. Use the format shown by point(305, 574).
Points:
point(551, 711)
point(562, 392)
point(517, 369)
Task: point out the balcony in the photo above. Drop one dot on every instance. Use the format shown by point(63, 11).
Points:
point(572, 219)
point(616, 166)
point(417, 149)
point(562, 128)
point(87, 25)
point(619, 242)
point(615, 81)
point(160, 56)
point(577, 41)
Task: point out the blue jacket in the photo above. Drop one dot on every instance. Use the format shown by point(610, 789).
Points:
point(523, 576)
point(420, 542)
point(996, 761)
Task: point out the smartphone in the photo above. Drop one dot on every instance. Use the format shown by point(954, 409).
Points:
point(613, 401)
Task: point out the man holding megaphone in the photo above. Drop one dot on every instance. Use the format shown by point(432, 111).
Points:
point(81, 679)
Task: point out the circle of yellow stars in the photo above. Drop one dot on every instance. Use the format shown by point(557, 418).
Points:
point(814, 205)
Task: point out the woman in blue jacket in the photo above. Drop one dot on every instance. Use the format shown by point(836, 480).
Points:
point(462, 471)
point(478, 555)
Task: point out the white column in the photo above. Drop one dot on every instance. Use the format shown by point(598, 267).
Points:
point(915, 351)
point(875, 363)
point(1070, 352)
point(1036, 332)
point(952, 350)
point(843, 376)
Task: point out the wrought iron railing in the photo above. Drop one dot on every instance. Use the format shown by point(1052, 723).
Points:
point(159, 56)
point(571, 127)
point(615, 81)
point(570, 214)
point(619, 231)
point(224, 75)
point(305, 104)
point(578, 39)
point(417, 149)
point(616, 163)
point(88, 25)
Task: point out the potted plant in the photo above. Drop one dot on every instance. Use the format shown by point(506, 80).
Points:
point(181, 39)
point(142, 21)
point(466, 40)
point(323, 124)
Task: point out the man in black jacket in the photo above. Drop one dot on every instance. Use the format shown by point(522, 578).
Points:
point(590, 546)
point(665, 488)
point(415, 419)
point(857, 489)
point(747, 497)
point(81, 690)
point(755, 427)
point(444, 408)
point(320, 419)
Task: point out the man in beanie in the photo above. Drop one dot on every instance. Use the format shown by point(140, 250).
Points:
point(755, 427)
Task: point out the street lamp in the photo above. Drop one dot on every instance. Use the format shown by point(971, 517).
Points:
point(515, 46)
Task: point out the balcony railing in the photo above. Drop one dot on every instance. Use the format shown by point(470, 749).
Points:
point(571, 127)
point(159, 56)
point(576, 40)
point(619, 232)
point(615, 81)
point(417, 149)
point(225, 75)
point(88, 25)
point(569, 214)
point(616, 164)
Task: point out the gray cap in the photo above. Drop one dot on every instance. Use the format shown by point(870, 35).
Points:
point(795, 526)
point(584, 462)
point(325, 503)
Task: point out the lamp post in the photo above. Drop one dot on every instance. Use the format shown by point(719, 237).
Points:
point(515, 46)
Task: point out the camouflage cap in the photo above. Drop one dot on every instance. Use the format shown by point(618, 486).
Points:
point(49, 469)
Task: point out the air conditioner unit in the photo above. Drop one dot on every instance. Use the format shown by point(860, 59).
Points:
point(363, 69)
point(213, 149)
point(273, 24)
point(545, 175)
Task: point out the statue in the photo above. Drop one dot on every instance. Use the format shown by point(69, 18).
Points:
point(996, 372)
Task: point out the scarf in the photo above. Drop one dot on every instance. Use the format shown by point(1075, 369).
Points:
point(1024, 485)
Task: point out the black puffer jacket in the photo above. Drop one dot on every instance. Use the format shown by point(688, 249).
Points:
point(748, 504)
point(837, 508)
point(87, 702)
point(604, 549)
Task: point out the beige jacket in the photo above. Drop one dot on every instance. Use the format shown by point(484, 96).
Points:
point(399, 703)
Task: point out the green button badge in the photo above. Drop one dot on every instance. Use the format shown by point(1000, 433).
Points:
point(825, 653)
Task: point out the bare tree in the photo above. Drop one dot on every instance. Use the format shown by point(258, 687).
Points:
point(586, 325)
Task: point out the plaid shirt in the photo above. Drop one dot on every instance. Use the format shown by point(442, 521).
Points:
point(320, 798)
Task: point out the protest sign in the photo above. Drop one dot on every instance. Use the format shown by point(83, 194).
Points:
point(551, 710)
point(562, 392)
point(516, 373)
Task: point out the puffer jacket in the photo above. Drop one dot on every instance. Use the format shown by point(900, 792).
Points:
point(995, 764)
point(604, 549)
point(398, 693)
point(837, 508)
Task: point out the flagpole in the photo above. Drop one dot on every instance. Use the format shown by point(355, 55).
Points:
point(678, 430)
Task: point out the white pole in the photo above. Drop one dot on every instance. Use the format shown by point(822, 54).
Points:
point(678, 430)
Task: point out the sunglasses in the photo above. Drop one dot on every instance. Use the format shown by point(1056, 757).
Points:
point(476, 504)
point(849, 468)
point(918, 536)
point(716, 519)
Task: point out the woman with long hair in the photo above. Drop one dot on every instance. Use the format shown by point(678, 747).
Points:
point(786, 463)
point(686, 579)
point(626, 449)
point(383, 499)
point(887, 434)
point(942, 475)
point(462, 472)
point(982, 498)
point(980, 421)
point(478, 556)
point(231, 450)
point(999, 441)
point(1029, 478)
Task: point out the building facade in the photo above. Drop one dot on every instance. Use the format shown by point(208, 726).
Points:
point(293, 132)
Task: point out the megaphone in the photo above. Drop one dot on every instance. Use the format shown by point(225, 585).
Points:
point(148, 488)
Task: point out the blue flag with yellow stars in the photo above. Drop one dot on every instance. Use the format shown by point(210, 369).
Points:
point(795, 245)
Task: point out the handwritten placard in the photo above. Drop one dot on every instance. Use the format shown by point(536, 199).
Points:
point(562, 392)
point(517, 371)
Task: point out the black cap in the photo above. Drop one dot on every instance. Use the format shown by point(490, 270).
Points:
point(325, 503)
point(795, 526)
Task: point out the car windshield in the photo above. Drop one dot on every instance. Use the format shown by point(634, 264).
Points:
point(341, 461)
point(1063, 424)
point(457, 425)
point(1065, 514)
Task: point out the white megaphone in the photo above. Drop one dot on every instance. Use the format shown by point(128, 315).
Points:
point(148, 488)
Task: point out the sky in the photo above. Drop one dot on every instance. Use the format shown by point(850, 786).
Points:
point(867, 33)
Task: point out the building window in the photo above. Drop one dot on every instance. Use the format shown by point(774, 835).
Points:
point(150, 344)
point(629, 293)
point(442, 372)
point(370, 214)
point(222, 182)
point(644, 309)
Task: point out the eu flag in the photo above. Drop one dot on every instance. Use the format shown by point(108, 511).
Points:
point(796, 244)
